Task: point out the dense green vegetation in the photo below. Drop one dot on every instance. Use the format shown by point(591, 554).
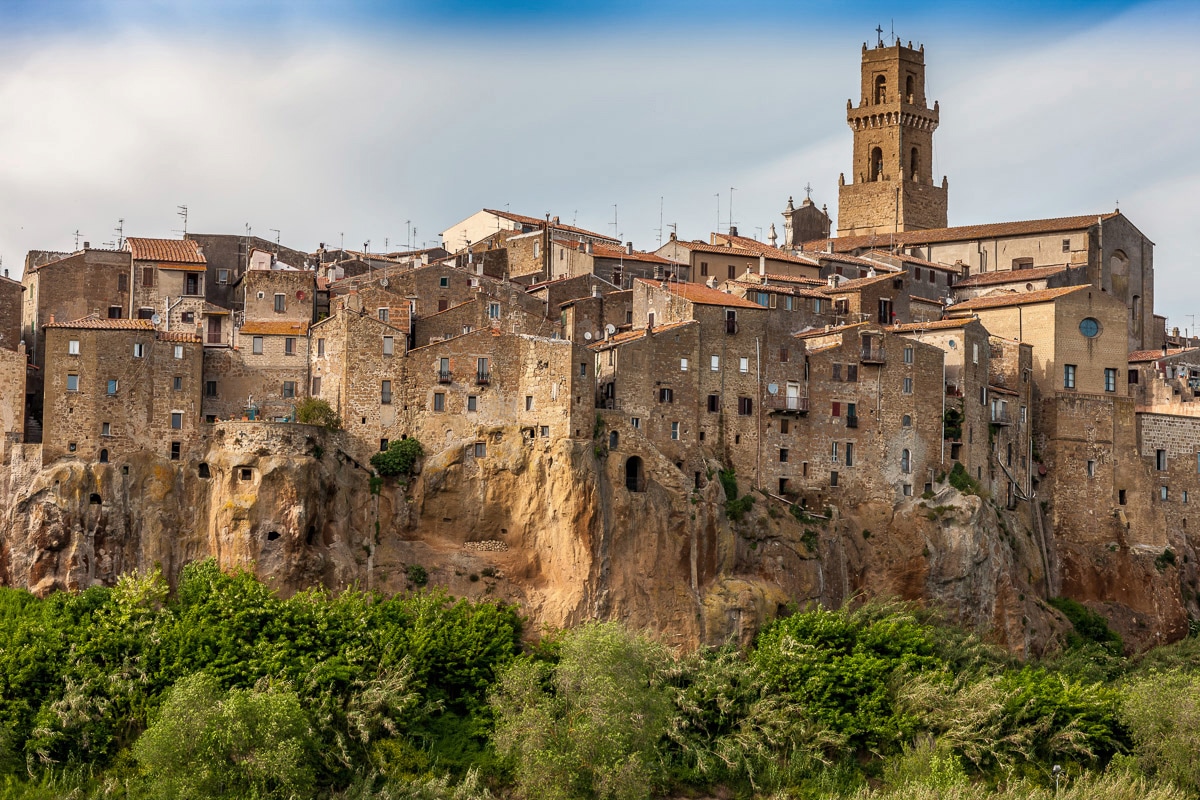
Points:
point(224, 689)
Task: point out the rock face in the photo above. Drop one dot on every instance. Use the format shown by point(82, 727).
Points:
point(550, 526)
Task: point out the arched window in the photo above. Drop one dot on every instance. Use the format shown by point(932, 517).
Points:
point(880, 89)
point(614, 439)
point(635, 480)
point(650, 319)
point(104, 456)
point(876, 166)
point(905, 461)
point(1136, 307)
point(914, 164)
point(906, 421)
point(908, 89)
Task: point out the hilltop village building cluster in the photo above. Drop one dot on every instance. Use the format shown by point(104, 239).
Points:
point(823, 369)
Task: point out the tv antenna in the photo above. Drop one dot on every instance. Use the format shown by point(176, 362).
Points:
point(77, 238)
point(660, 220)
point(718, 196)
point(182, 213)
point(120, 231)
point(276, 232)
point(730, 209)
point(614, 222)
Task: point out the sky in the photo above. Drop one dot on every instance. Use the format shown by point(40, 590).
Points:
point(388, 122)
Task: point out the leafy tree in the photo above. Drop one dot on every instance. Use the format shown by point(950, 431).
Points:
point(1088, 626)
point(207, 743)
point(315, 411)
point(399, 459)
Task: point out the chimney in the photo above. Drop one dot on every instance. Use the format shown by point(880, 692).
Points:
point(674, 236)
point(733, 230)
point(87, 245)
point(762, 266)
point(6, 273)
point(629, 248)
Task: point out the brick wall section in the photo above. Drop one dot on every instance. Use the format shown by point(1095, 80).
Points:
point(504, 311)
point(13, 367)
point(11, 307)
point(229, 252)
point(262, 376)
point(157, 287)
point(140, 412)
point(297, 287)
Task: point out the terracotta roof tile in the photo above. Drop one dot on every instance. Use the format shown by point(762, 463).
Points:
point(541, 223)
point(638, 333)
point(961, 233)
point(825, 332)
point(858, 283)
point(917, 299)
point(178, 336)
point(702, 295)
point(939, 325)
point(1011, 276)
point(884, 255)
point(1013, 299)
point(1154, 355)
point(92, 322)
point(746, 251)
point(176, 251)
point(604, 251)
point(771, 276)
point(275, 328)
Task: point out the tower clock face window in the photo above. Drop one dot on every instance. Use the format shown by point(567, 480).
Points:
point(1089, 327)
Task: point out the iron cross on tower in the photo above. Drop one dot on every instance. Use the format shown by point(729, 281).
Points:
point(879, 32)
point(808, 190)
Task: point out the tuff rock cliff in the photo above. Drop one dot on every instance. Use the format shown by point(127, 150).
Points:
point(553, 528)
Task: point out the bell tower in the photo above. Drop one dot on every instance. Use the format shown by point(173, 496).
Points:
point(891, 188)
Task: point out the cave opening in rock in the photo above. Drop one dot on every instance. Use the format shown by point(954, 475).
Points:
point(635, 480)
point(312, 535)
point(95, 499)
point(272, 536)
point(203, 471)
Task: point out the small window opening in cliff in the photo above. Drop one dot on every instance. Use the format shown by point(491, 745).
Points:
point(697, 476)
point(635, 480)
point(94, 499)
point(125, 470)
point(614, 439)
point(104, 456)
point(1121, 496)
point(203, 471)
point(246, 474)
point(272, 536)
point(312, 535)
point(783, 485)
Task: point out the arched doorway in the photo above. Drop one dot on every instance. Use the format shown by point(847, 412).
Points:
point(876, 166)
point(635, 479)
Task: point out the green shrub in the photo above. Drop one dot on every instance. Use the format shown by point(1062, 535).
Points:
point(1088, 626)
point(399, 459)
point(315, 411)
point(961, 480)
point(416, 575)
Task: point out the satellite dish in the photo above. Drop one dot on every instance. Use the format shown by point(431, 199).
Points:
point(610, 329)
point(155, 319)
point(383, 282)
point(587, 335)
point(773, 388)
point(300, 295)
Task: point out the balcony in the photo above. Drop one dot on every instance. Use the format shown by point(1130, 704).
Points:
point(445, 376)
point(873, 354)
point(786, 405)
point(481, 378)
point(1000, 416)
point(852, 422)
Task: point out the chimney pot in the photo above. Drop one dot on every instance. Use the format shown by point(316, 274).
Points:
point(87, 245)
point(629, 248)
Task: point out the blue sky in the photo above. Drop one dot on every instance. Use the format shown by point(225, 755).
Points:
point(364, 120)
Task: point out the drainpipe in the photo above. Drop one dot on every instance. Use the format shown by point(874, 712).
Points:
point(167, 303)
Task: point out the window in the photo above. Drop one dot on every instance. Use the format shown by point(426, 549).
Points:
point(145, 313)
point(983, 395)
point(73, 347)
point(715, 363)
point(635, 423)
point(833, 479)
point(472, 402)
point(280, 303)
point(106, 429)
point(289, 389)
point(908, 355)
point(743, 365)
point(316, 386)
point(1089, 327)
point(444, 281)
point(289, 346)
point(72, 383)
point(908, 385)
point(732, 272)
point(835, 452)
point(320, 348)
point(439, 401)
point(906, 490)
point(906, 421)
point(1133, 375)
point(1110, 379)
point(665, 395)
point(383, 444)
point(783, 455)
point(112, 387)
point(176, 447)
point(837, 372)
point(147, 276)
point(480, 450)
point(1160, 460)
point(114, 312)
point(849, 454)
point(745, 406)
point(704, 268)
point(139, 350)
point(975, 353)
point(443, 304)
point(675, 431)
point(529, 402)
point(683, 365)
point(256, 345)
point(389, 345)
point(493, 311)
point(1162, 493)
point(1091, 468)
point(583, 369)
point(836, 410)
point(191, 284)
point(1024, 414)
point(176, 383)
point(384, 314)
point(905, 461)
point(178, 351)
point(784, 425)
point(714, 403)
point(783, 355)
point(222, 276)
point(176, 420)
point(385, 393)
point(1066, 244)
point(122, 282)
point(852, 373)
point(1068, 376)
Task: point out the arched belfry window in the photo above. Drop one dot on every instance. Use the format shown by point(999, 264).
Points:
point(880, 89)
point(905, 461)
point(876, 167)
point(914, 163)
point(908, 89)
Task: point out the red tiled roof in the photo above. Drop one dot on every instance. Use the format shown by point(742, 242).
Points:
point(1013, 299)
point(825, 332)
point(1001, 390)
point(541, 223)
point(178, 336)
point(702, 295)
point(794, 291)
point(275, 328)
point(1011, 276)
point(604, 251)
point(771, 276)
point(915, 299)
point(961, 233)
point(631, 336)
point(883, 255)
point(751, 252)
point(938, 325)
point(176, 251)
point(92, 322)
point(1154, 355)
point(859, 283)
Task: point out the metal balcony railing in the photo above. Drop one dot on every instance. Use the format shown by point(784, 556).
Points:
point(1000, 416)
point(793, 405)
point(445, 376)
point(873, 355)
point(483, 378)
point(852, 422)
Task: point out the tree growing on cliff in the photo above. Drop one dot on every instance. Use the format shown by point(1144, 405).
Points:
point(399, 459)
point(315, 411)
